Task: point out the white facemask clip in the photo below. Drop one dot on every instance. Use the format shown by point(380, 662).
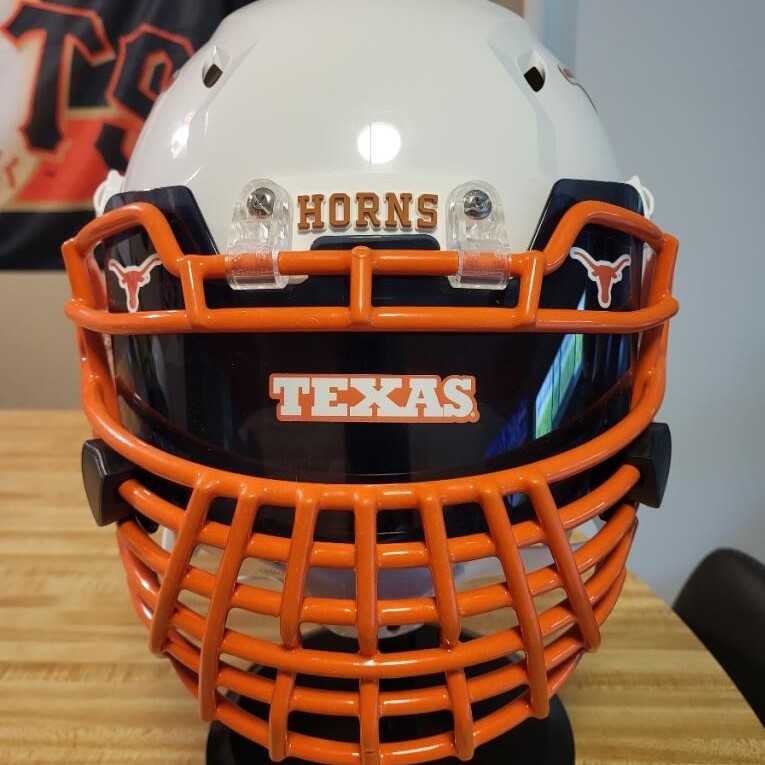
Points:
point(649, 203)
point(114, 183)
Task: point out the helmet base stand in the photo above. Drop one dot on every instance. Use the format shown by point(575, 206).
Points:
point(533, 742)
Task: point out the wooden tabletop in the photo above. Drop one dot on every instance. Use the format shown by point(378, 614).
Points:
point(78, 684)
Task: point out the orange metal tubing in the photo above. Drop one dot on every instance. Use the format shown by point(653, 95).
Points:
point(361, 264)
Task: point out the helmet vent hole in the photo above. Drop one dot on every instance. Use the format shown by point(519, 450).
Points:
point(211, 75)
point(532, 64)
point(535, 76)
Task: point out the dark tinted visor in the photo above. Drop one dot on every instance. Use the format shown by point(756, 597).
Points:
point(208, 398)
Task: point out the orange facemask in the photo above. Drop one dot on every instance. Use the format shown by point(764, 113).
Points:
point(212, 654)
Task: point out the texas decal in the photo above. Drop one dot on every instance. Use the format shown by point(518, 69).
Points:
point(374, 398)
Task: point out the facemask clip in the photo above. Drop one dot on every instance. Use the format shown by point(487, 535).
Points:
point(260, 229)
point(476, 230)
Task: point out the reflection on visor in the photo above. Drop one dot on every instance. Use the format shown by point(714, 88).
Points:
point(560, 382)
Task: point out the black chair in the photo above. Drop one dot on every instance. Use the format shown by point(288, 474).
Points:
point(723, 602)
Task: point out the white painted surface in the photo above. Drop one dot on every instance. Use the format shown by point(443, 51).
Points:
point(301, 128)
point(679, 86)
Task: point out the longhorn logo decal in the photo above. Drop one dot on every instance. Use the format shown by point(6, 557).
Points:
point(604, 273)
point(133, 278)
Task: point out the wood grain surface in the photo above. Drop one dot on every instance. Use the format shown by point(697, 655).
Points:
point(78, 685)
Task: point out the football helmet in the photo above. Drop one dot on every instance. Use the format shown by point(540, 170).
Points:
point(371, 331)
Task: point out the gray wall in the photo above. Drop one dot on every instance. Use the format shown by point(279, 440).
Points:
point(679, 85)
point(38, 351)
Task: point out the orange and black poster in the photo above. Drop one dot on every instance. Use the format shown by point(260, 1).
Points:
point(78, 78)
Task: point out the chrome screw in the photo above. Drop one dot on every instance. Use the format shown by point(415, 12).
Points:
point(260, 203)
point(478, 205)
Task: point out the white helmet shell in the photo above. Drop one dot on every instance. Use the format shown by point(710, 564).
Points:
point(390, 98)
